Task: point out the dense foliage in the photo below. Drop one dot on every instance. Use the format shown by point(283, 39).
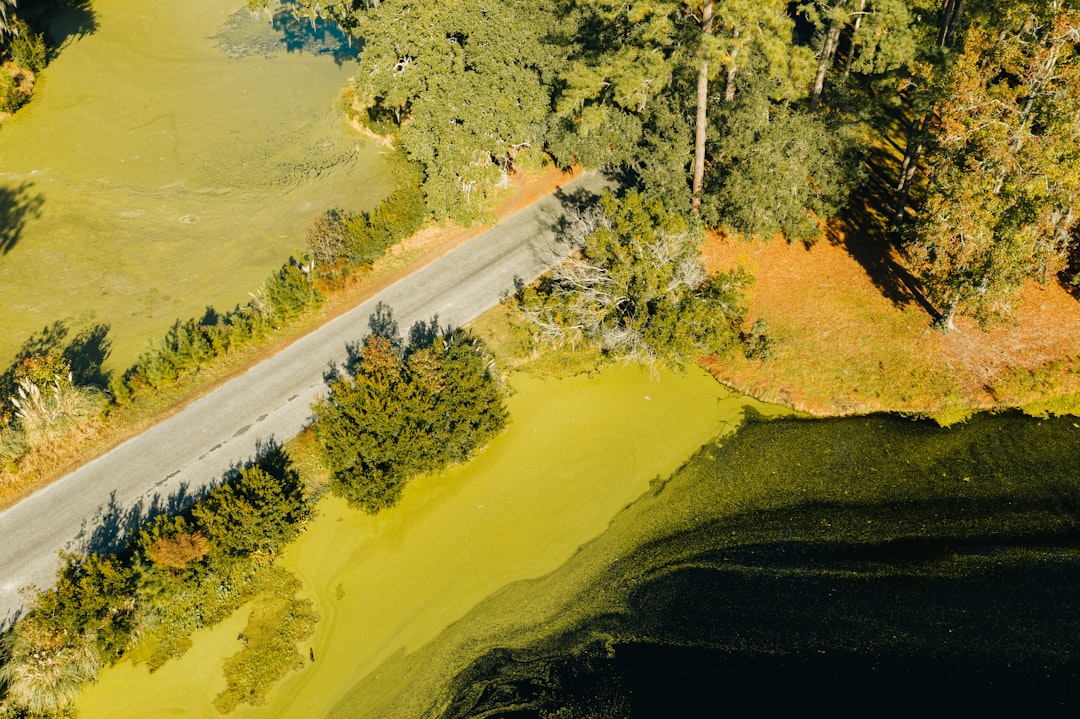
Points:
point(636, 288)
point(338, 240)
point(404, 410)
point(181, 572)
point(1004, 192)
point(755, 116)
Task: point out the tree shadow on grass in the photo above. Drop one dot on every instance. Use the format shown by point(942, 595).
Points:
point(866, 230)
point(85, 353)
point(17, 205)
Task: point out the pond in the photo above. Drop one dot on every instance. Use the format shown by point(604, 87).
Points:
point(576, 452)
point(172, 156)
point(619, 551)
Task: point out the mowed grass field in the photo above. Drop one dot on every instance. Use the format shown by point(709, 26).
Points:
point(171, 158)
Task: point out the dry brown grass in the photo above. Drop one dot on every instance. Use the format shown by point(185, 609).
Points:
point(844, 347)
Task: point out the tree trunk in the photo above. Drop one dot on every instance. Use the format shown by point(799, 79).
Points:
point(854, 33)
point(729, 89)
point(702, 116)
point(949, 22)
point(828, 50)
point(910, 166)
point(945, 321)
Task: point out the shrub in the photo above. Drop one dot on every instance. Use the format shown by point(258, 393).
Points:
point(289, 292)
point(327, 241)
point(758, 343)
point(28, 48)
point(338, 238)
point(636, 289)
point(258, 512)
point(44, 671)
point(11, 96)
point(403, 413)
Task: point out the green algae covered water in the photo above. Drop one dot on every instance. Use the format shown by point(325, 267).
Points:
point(866, 566)
point(577, 452)
point(583, 566)
point(172, 156)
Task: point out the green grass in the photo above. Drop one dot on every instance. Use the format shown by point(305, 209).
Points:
point(169, 175)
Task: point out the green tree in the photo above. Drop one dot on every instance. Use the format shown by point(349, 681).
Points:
point(257, 512)
point(775, 168)
point(636, 289)
point(466, 84)
point(401, 413)
point(86, 620)
point(632, 65)
point(884, 36)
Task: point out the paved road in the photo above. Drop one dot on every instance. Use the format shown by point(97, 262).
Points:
point(196, 446)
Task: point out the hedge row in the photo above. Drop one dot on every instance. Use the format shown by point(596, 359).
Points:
point(180, 573)
point(356, 240)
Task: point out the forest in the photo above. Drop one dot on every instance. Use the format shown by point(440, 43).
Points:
point(950, 125)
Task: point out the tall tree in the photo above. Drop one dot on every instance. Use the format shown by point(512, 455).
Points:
point(833, 16)
point(466, 83)
point(884, 36)
point(1004, 189)
point(926, 86)
point(776, 168)
point(629, 59)
point(701, 118)
point(764, 27)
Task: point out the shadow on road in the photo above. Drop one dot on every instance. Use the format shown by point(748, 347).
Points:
point(115, 526)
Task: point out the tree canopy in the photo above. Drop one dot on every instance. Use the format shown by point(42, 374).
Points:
point(1004, 191)
point(753, 116)
point(405, 409)
point(636, 288)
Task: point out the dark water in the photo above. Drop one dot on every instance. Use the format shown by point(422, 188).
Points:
point(872, 566)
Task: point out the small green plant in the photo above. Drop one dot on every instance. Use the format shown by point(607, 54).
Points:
point(11, 97)
point(28, 49)
point(277, 623)
point(758, 343)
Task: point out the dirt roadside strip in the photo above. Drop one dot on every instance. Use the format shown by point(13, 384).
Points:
point(271, 400)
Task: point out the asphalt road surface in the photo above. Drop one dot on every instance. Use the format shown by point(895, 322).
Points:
point(174, 459)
